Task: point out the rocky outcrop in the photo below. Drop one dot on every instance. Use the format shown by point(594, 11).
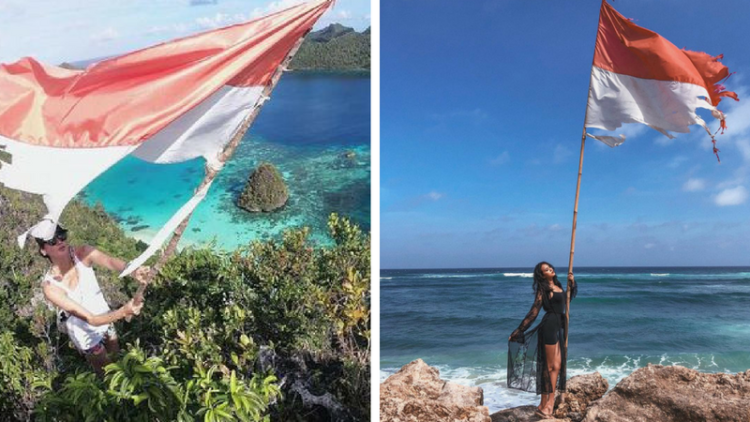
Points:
point(416, 393)
point(650, 394)
point(518, 414)
point(675, 394)
point(265, 190)
point(582, 391)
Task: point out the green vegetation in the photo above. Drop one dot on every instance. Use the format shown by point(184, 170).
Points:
point(265, 190)
point(278, 330)
point(335, 47)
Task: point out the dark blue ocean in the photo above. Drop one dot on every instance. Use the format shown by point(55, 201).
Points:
point(622, 319)
point(315, 130)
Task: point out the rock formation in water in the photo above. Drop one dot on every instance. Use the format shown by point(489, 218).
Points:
point(265, 190)
point(416, 393)
point(675, 394)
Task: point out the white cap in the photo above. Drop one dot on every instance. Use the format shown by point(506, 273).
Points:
point(44, 230)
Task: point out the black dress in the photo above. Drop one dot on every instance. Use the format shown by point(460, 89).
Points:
point(527, 359)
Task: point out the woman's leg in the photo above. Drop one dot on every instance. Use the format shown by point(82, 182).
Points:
point(543, 405)
point(112, 345)
point(553, 367)
point(98, 359)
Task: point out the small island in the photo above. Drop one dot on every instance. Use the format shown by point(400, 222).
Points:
point(334, 48)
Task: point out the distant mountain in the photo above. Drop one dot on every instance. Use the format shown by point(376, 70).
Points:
point(330, 32)
point(335, 47)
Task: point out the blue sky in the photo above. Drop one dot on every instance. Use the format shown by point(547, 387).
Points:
point(482, 106)
point(55, 31)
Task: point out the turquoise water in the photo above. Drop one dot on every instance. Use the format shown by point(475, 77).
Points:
point(311, 121)
point(622, 319)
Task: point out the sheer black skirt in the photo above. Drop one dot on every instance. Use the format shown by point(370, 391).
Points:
point(527, 358)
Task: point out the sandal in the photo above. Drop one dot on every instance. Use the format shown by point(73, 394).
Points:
point(541, 414)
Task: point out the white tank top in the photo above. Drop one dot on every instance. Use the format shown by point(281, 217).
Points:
point(89, 295)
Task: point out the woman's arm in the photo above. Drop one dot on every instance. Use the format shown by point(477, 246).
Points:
point(530, 317)
point(58, 297)
point(91, 255)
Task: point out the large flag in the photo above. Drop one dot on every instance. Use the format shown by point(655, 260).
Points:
point(167, 103)
point(640, 77)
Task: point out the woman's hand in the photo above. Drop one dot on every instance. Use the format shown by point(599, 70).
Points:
point(571, 278)
point(132, 307)
point(142, 274)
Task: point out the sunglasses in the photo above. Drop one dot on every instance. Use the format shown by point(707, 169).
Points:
point(60, 236)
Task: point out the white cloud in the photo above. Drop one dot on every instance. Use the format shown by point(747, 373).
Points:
point(500, 159)
point(344, 14)
point(476, 114)
point(561, 153)
point(693, 185)
point(649, 245)
point(677, 161)
point(275, 7)
point(106, 35)
point(733, 196)
point(744, 146)
point(178, 28)
point(219, 20)
point(434, 195)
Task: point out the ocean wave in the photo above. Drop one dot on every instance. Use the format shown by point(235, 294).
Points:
point(476, 275)
point(669, 276)
point(601, 276)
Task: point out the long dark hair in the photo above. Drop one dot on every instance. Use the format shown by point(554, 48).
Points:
point(540, 282)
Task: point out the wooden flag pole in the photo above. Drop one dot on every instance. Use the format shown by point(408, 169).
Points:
point(575, 215)
point(573, 237)
point(211, 172)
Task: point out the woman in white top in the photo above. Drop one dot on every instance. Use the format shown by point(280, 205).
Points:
point(71, 286)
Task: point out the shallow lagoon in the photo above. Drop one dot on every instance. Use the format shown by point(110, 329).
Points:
point(312, 121)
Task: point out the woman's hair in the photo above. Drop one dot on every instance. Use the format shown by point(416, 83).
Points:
point(540, 282)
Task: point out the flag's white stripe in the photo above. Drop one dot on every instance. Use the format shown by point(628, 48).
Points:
point(165, 231)
point(666, 106)
point(204, 130)
point(56, 173)
point(60, 173)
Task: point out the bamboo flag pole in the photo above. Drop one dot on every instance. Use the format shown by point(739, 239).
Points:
point(573, 237)
point(212, 172)
point(575, 213)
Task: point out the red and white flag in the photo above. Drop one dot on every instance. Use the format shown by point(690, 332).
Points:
point(167, 103)
point(640, 77)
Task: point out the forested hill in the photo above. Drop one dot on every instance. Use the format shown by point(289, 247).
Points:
point(335, 47)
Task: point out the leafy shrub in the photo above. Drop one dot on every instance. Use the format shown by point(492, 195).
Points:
point(220, 334)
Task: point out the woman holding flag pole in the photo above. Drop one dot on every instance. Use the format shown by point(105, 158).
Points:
point(637, 76)
point(70, 285)
point(538, 356)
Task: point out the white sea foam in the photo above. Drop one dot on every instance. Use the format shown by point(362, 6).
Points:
point(659, 275)
point(524, 275)
point(469, 275)
point(386, 278)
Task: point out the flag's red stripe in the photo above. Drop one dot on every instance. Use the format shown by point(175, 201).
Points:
point(625, 48)
point(125, 100)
